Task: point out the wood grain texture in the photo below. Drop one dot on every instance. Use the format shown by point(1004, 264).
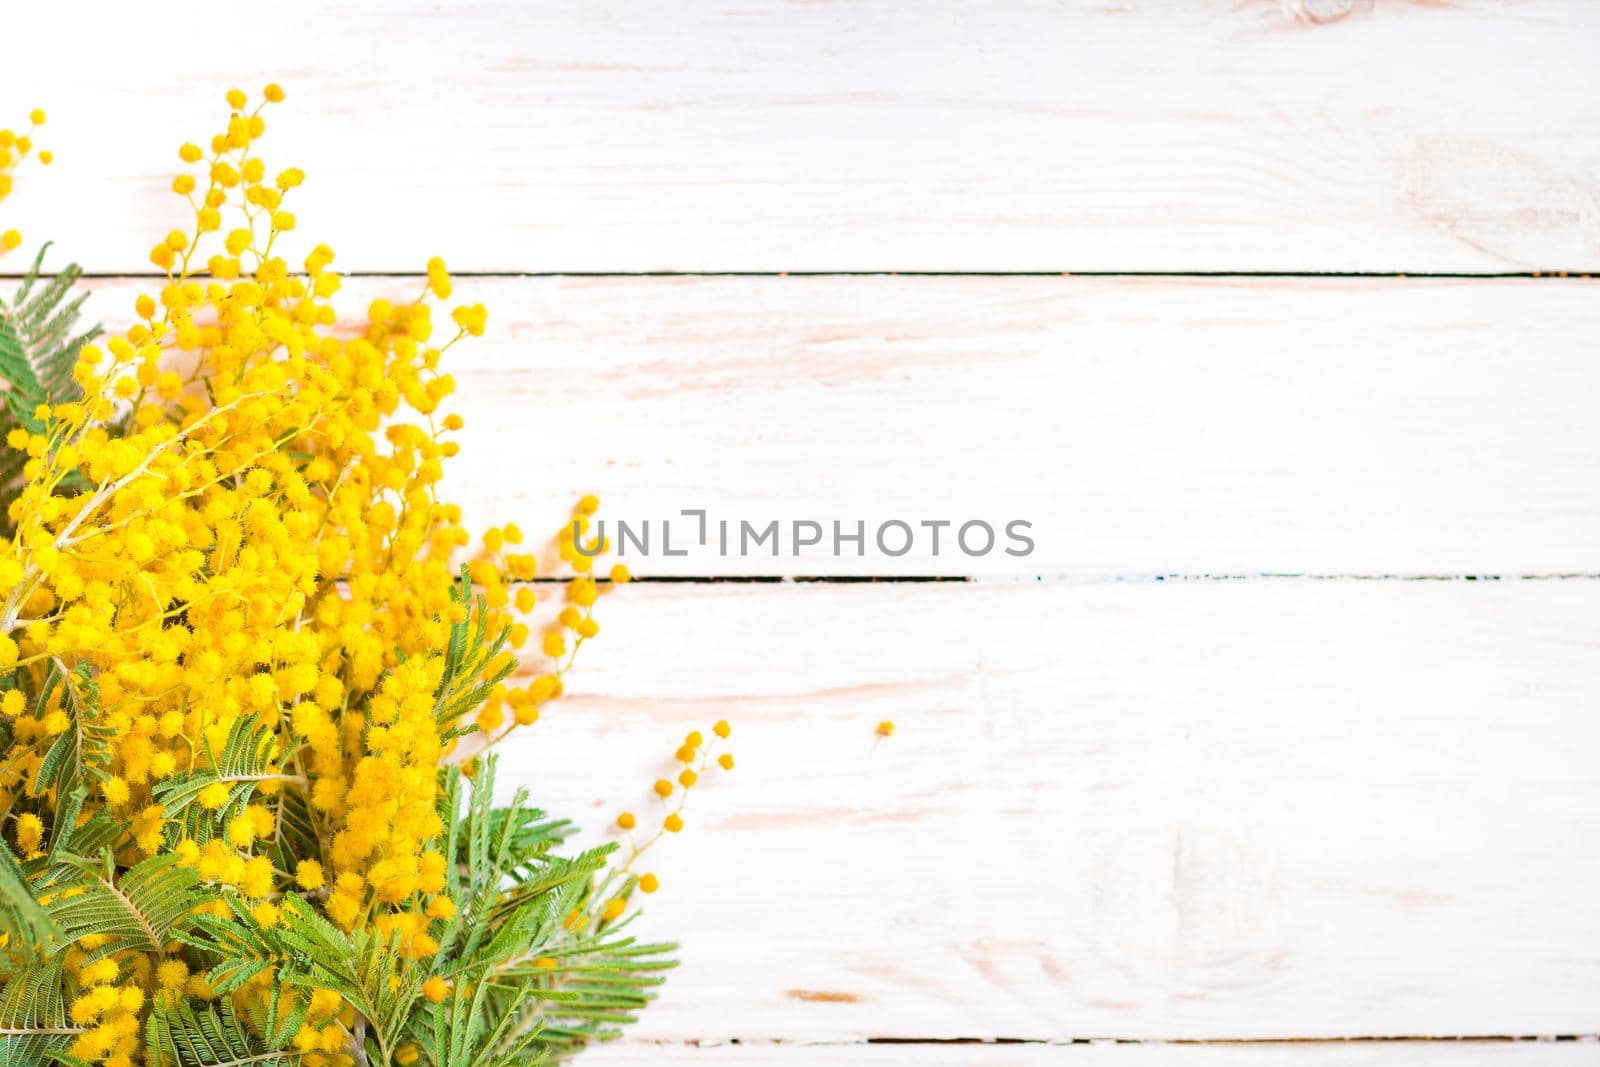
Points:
point(871, 135)
point(1111, 810)
point(1114, 809)
point(1142, 425)
point(1409, 1054)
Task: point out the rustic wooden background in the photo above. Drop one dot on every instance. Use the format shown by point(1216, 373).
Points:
point(1273, 317)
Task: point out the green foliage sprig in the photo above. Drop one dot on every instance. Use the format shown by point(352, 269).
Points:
point(38, 347)
point(535, 966)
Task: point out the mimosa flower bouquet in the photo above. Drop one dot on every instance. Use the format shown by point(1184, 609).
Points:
point(253, 670)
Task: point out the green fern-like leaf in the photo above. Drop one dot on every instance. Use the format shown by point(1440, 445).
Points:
point(83, 751)
point(140, 908)
point(367, 969)
point(248, 758)
point(178, 1034)
point(21, 915)
point(473, 664)
point(280, 1019)
point(33, 1016)
point(38, 348)
point(78, 760)
point(242, 949)
point(535, 984)
point(457, 1033)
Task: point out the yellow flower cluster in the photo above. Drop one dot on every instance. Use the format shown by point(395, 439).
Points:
point(14, 148)
point(240, 522)
point(696, 757)
point(494, 570)
point(110, 1011)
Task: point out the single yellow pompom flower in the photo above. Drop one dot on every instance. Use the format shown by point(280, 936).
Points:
point(30, 833)
point(171, 975)
point(99, 972)
point(115, 791)
point(214, 796)
point(257, 879)
point(435, 989)
point(308, 874)
point(242, 831)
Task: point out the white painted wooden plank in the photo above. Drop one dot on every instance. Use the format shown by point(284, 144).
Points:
point(867, 135)
point(1142, 426)
point(1111, 810)
point(1298, 1054)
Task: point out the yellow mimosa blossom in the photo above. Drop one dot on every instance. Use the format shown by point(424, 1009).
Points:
point(234, 602)
point(15, 147)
